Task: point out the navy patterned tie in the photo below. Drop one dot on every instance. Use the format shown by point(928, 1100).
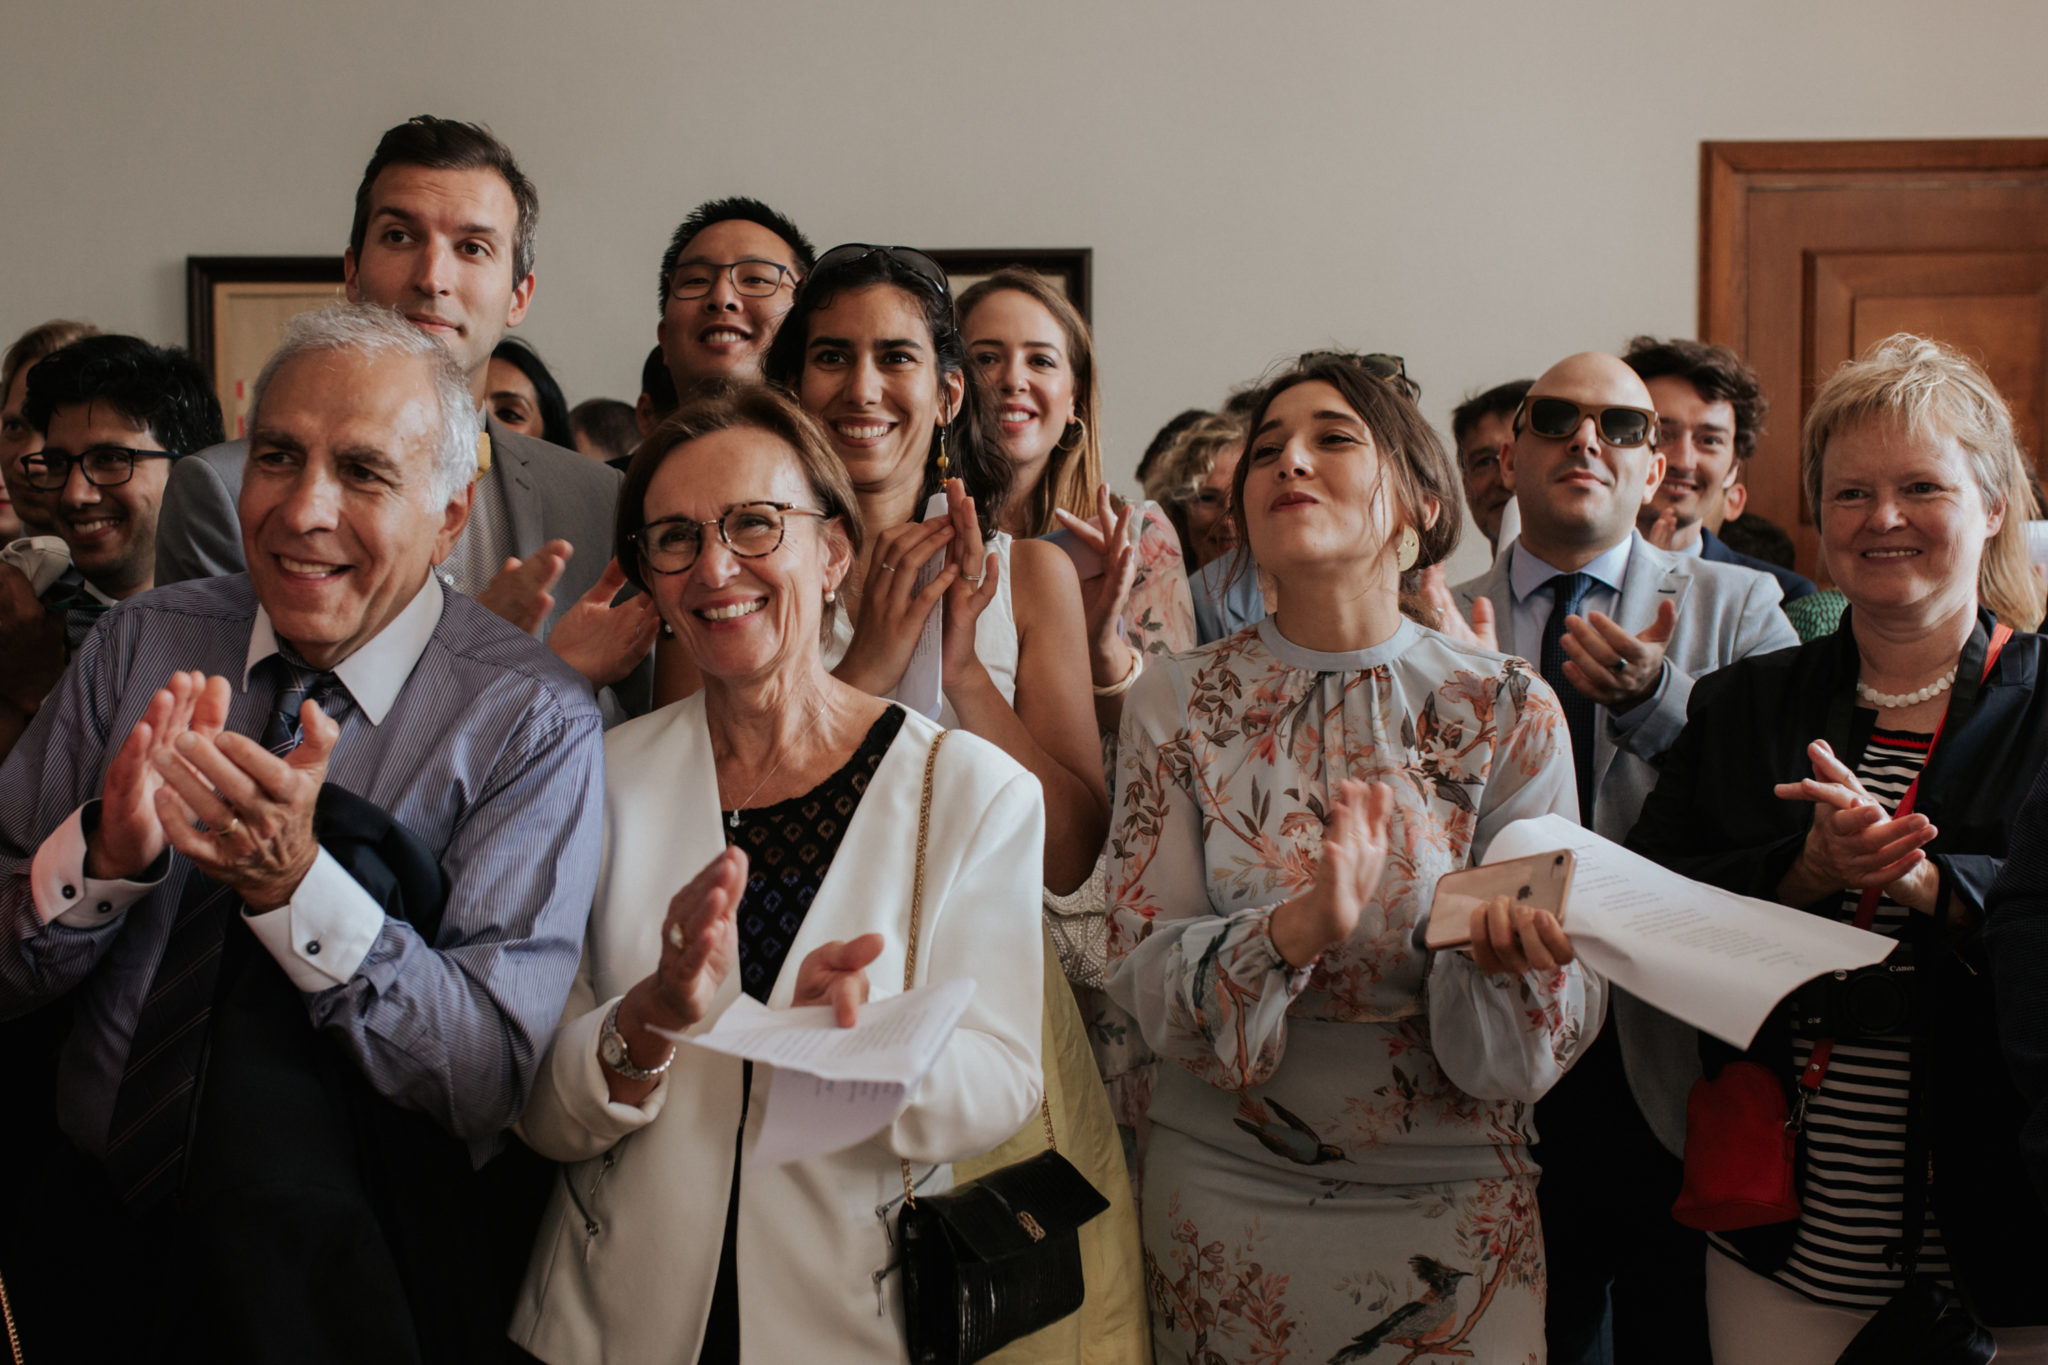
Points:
point(154, 1108)
point(1568, 593)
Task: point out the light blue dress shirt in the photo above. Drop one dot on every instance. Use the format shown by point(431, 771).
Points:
point(488, 748)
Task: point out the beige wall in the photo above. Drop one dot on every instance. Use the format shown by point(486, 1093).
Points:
point(1480, 187)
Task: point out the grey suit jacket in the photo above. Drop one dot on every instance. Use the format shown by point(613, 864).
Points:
point(550, 493)
point(1725, 613)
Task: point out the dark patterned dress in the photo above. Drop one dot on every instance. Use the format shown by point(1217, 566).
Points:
point(789, 846)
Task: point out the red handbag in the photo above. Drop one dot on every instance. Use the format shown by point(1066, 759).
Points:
point(1738, 1152)
point(1740, 1140)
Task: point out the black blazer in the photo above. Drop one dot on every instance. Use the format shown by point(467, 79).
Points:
point(307, 1190)
point(1712, 817)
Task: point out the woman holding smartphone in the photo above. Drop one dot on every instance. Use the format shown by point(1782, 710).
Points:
point(1339, 1147)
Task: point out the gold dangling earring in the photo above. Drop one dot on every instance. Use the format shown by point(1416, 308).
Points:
point(943, 463)
point(1409, 548)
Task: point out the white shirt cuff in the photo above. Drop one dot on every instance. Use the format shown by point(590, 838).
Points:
point(65, 895)
point(323, 933)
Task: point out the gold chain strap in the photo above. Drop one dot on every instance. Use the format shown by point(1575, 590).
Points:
point(924, 832)
point(13, 1336)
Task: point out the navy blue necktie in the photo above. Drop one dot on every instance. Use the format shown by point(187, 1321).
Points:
point(153, 1108)
point(1568, 593)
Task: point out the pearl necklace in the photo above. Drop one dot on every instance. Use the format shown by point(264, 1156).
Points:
point(1896, 702)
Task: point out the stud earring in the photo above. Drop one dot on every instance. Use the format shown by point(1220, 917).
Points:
point(1409, 548)
point(831, 596)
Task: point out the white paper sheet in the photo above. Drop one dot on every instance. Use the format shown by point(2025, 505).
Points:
point(1717, 960)
point(920, 686)
point(834, 1087)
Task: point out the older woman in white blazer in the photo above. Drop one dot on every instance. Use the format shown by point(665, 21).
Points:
point(762, 836)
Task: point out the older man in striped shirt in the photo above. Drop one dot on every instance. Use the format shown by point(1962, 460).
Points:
point(162, 865)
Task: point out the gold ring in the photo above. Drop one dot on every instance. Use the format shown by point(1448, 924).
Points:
point(675, 936)
point(234, 823)
point(889, 567)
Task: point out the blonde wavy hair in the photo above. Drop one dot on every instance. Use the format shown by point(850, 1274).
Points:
point(1927, 388)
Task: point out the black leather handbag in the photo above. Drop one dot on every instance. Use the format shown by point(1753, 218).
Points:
point(998, 1259)
point(1923, 1324)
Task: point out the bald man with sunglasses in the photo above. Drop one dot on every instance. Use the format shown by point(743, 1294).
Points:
point(1621, 629)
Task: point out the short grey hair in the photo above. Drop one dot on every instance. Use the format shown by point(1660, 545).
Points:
point(370, 330)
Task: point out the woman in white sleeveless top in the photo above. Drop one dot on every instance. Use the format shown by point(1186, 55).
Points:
point(871, 349)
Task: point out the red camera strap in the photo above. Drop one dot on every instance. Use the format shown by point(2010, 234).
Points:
point(1866, 908)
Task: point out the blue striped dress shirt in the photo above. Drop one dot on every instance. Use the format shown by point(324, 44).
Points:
point(491, 752)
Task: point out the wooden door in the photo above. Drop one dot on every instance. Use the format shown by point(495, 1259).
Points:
point(1812, 251)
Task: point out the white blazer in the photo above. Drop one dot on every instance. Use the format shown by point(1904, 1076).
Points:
point(623, 1268)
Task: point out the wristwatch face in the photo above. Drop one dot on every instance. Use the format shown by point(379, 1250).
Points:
point(612, 1048)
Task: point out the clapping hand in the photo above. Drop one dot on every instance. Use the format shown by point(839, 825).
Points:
point(1510, 938)
point(892, 610)
point(1354, 853)
point(130, 834)
point(976, 578)
point(523, 591)
point(257, 807)
point(700, 946)
point(601, 641)
point(835, 974)
point(1436, 592)
point(1852, 843)
point(1611, 667)
point(1104, 596)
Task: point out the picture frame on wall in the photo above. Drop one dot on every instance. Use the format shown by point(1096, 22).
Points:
point(236, 308)
point(1072, 267)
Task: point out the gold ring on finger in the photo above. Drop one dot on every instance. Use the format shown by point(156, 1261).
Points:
point(889, 568)
point(675, 936)
point(234, 823)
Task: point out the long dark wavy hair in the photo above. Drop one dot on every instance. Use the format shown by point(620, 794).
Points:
point(972, 453)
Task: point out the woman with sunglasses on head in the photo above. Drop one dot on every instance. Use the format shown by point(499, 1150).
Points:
point(763, 837)
point(871, 350)
point(1910, 1123)
point(1338, 1158)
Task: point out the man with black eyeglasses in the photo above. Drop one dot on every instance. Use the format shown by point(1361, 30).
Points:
point(1620, 630)
point(114, 412)
point(730, 272)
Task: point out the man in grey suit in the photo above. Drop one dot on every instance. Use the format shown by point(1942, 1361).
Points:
point(1620, 629)
point(443, 233)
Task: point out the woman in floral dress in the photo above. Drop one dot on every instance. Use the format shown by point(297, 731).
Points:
point(1338, 1167)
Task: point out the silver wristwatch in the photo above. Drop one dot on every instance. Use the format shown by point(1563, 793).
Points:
point(612, 1051)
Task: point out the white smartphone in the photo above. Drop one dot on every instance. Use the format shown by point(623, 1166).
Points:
point(1542, 880)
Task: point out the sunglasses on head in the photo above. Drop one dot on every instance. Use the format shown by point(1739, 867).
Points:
point(1556, 418)
point(909, 257)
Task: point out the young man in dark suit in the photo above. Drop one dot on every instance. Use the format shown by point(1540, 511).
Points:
point(443, 233)
point(1710, 408)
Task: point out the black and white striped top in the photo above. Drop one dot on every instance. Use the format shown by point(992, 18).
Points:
point(1852, 1200)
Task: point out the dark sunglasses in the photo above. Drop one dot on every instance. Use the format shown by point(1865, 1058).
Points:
point(909, 257)
point(1556, 418)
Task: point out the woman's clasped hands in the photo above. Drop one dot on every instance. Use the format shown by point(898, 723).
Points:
point(1852, 843)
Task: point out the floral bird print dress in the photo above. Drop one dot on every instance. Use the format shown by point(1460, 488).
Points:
point(1338, 1167)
